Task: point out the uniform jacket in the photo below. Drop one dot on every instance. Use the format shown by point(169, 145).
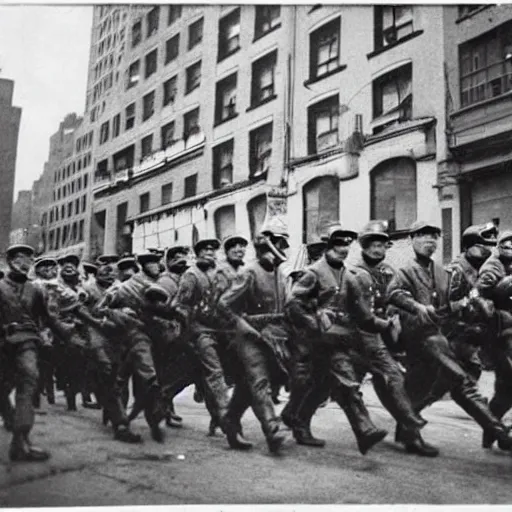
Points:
point(490, 274)
point(324, 290)
point(415, 284)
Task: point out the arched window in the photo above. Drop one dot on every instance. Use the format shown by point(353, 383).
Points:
point(257, 210)
point(393, 193)
point(321, 199)
point(225, 221)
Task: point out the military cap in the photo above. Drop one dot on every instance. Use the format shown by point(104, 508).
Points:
point(171, 252)
point(232, 240)
point(337, 232)
point(504, 236)
point(374, 230)
point(484, 234)
point(421, 225)
point(205, 242)
point(44, 261)
point(107, 259)
point(69, 258)
point(127, 262)
point(148, 257)
point(16, 248)
point(275, 227)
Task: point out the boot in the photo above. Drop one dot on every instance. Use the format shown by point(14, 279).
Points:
point(235, 437)
point(124, 434)
point(21, 450)
point(414, 442)
point(212, 428)
point(499, 408)
point(275, 440)
point(71, 400)
point(171, 421)
point(157, 434)
point(304, 437)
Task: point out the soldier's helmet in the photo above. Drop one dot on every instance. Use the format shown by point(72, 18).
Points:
point(374, 230)
point(232, 240)
point(337, 232)
point(502, 295)
point(274, 237)
point(484, 234)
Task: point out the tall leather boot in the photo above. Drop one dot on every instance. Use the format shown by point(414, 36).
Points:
point(367, 434)
point(239, 403)
point(470, 400)
point(499, 405)
point(414, 442)
point(311, 401)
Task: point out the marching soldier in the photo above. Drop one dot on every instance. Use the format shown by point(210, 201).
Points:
point(420, 292)
point(22, 310)
point(254, 304)
point(195, 304)
point(127, 267)
point(327, 309)
point(494, 291)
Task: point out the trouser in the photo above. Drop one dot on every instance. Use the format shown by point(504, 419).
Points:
point(73, 360)
point(432, 366)
point(253, 387)
point(500, 352)
point(138, 361)
point(212, 373)
point(46, 372)
point(388, 380)
point(21, 366)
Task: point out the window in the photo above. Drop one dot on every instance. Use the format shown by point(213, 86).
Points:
point(263, 75)
point(260, 141)
point(392, 23)
point(225, 223)
point(266, 19)
point(81, 231)
point(190, 185)
point(193, 77)
point(130, 116)
point(321, 199)
point(324, 45)
point(124, 159)
point(191, 123)
point(392, 98)
point(104, 132)
point(166, 193)
point(172, 48)
point(257, 210)
point(229, 34)
point(70, 208)
point(86, 179)
point(77, 206)
point(170, 90)
point(323, 125)
point(133, 74)
point(146, 146)
point(148, 105)
point(223, 164)
point(136, 33)
point(393, 193)
point(151, 63)
point(486, 66)
point(225, 99)
point(195, 33)
point(174, 14)
point(116, 125)
point(168, 134)
point(144, 202)
point(152, 21)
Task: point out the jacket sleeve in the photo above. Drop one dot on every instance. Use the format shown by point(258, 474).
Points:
point(359, 304)
point(183, 302)
point(488, 278)
point(235, 295)
point(400, 292)
point(301, 303)
point(458, 300)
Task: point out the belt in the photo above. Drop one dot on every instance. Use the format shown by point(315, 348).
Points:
point(14, 327)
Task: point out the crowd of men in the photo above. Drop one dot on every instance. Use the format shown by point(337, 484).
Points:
point(164, 320)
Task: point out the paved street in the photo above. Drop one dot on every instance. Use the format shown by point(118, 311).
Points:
point(89, 468)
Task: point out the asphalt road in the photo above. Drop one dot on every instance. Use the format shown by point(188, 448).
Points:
point(89, 468)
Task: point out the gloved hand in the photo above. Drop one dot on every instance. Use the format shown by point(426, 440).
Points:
point(427, 314)
point(394, 328)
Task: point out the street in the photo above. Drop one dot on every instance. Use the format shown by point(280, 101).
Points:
point(89, 468)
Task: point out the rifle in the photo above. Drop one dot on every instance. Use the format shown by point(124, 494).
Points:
point(261, 320)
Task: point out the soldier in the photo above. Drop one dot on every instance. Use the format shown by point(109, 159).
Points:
point(124, 305)
point(254, 304)
point(419, 290)
point(195, 303)
point(494, 291)
point(326, 307)
point(22, 310)
point(127, 267)
point(90, 271)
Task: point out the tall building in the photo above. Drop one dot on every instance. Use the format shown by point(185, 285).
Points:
point(478, 42)
point(10, 117)
point(21, 218)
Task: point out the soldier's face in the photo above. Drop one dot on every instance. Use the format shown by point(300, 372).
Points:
point(376, 250)
point(425, 244)
point(126, 273)
point(152, 269)
point(236, 253)
point(21, 263)
point(47, 271)
point(208, 254)
point(340, 248)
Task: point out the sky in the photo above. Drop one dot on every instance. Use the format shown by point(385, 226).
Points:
point(45, 50)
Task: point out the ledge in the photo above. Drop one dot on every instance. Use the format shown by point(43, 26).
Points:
point(266, 100)
point(393, 45)
point(472, 13)
point(483, 103)
point(220, 58)
point(263, 34)
point(222, 121)
point(401, 129)
point(310, 81)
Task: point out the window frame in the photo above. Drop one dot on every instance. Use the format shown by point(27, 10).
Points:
point(189, 87)
point(190, 182)
point(227, 84)
point(330, 105)
point(258, 68)
point(170, 57)
point(263, 13)
point(148, 59)
point(225, 24)
point(148, 99)
point(146, 147)
point(255, 139)
point(195, 41)
point(218, 171)
point(331, 28)
point(132, 117)
point(143, 207)
point(380, 31)
point(169, 99)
